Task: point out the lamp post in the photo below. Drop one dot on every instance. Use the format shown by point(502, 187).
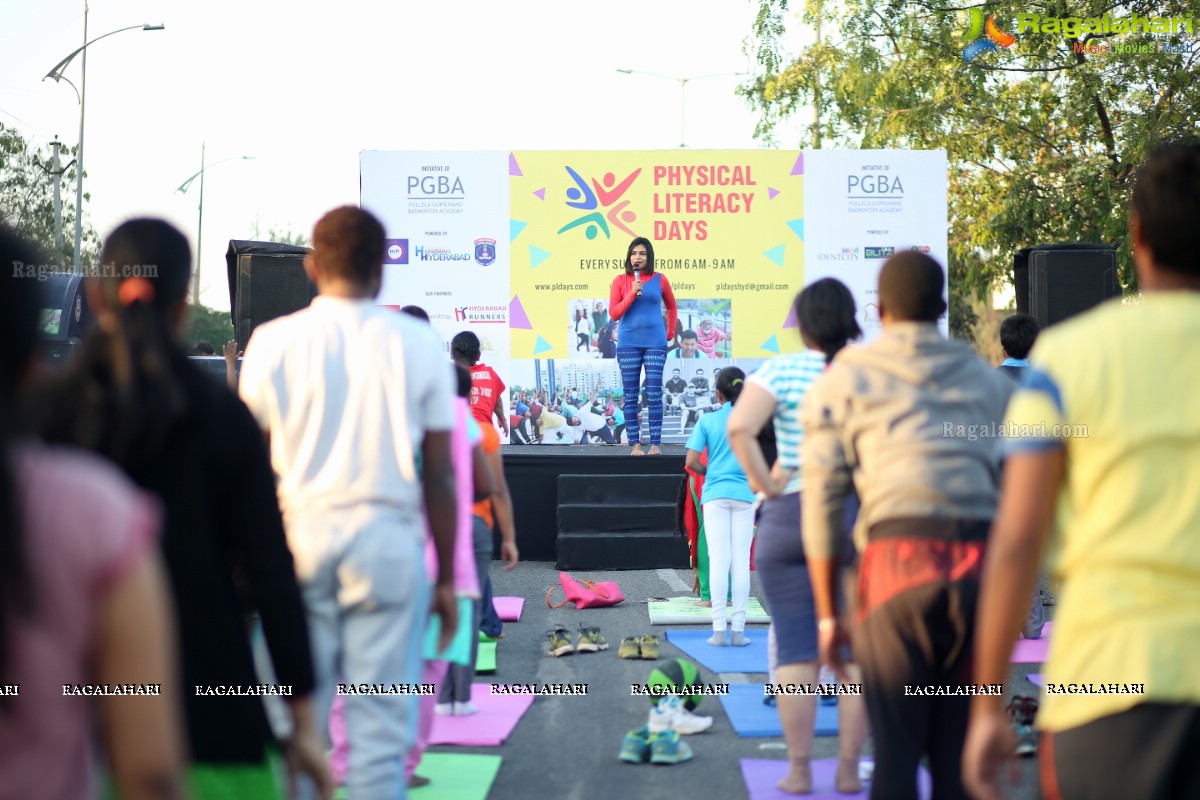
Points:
point(683, 82)
point(57, 74)
point(183, 187)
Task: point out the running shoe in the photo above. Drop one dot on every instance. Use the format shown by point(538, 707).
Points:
point(630, 648)
point(649, 647)
point(590, 640)
point(560, 642)
point(636, 747)
point(668, 748)
point(670, 715)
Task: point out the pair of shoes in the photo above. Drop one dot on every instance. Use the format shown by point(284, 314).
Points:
point(1021, 712)
point(560, 642)
point(664, 747)
point(644, 647)
point(590, 640)
point(671, 715)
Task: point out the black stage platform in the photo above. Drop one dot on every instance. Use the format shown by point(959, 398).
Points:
point(596, 506)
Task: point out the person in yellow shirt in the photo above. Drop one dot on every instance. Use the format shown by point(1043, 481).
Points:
point(1103, 472)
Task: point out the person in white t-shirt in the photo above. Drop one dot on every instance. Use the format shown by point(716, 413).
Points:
point(357, 404)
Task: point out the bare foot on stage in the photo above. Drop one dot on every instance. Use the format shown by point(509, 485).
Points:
point(705, 603)
point(637, 451)
point(655, 450)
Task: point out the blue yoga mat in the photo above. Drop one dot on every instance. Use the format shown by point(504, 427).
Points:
point(751, 658)
point(751, 719)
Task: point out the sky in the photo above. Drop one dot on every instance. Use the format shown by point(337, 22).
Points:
point(305, 87)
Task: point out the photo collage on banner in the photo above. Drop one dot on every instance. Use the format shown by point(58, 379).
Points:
point(582, 401)
point(446, 217)
point(861, 206)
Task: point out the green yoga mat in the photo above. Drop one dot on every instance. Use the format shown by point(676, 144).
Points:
point(485, 661)
point(452, 776)
point(688, 611)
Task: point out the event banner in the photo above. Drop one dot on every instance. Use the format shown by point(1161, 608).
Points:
point(727, 229)
point(861, 206)
point(446, 217)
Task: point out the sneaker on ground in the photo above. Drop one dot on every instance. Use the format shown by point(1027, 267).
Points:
point(630, 648)
point(443, 709)
point(465, 709)
point(670, 715)
point(649, 647)
point(667, 748)
point(590, 640)
point(560, 642)
point(1027, 744)
point(636, 747)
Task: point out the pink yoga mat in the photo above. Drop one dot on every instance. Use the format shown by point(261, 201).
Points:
point(509, 608)
point(498, 715)
point(761, 775)
point(1033, 651)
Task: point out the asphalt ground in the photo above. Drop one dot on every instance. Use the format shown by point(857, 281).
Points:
point(565, 748)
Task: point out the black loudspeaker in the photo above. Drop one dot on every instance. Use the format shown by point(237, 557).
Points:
point(266, 280)
point(1054, 282)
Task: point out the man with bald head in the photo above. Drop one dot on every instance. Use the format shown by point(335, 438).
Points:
point(908, 421)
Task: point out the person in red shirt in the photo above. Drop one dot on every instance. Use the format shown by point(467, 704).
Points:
point(487, 390)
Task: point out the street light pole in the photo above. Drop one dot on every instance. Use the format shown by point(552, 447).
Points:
point(183, 187)
point(57, 74)
point(683, 82)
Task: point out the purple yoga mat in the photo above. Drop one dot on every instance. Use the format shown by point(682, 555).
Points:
point(761, 775)
point(498, 715)
point(1033, 651)
point(509, 608)
point(1036, 679)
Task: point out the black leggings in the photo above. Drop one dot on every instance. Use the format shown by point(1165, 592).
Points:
point(921, 637)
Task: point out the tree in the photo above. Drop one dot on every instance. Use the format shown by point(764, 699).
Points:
point(282, 236)
point(27, 199)
point(1042, 135)
point(214, 327)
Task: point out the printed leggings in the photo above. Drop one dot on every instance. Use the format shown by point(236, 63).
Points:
point(631, 360)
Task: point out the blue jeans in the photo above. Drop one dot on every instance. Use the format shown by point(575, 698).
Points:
point(362, 574)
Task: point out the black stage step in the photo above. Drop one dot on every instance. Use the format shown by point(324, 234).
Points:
point(618, 488)
point(609, 521)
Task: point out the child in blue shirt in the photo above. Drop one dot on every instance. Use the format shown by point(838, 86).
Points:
point(728, 506)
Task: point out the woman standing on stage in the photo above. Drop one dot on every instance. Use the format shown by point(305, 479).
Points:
point(637, 299)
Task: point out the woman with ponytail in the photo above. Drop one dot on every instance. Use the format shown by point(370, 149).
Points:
point(728, 507)
point(134, 398)
point(774, 394)
point(82, 600)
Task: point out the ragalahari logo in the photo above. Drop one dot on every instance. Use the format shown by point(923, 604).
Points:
point(603, 200)
point(984, 36)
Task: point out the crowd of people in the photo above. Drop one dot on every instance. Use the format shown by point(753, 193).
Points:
point(342, 506)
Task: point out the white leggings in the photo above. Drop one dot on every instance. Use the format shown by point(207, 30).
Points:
point(728, 532)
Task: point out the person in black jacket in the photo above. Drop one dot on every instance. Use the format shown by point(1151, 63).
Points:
point(134, 397)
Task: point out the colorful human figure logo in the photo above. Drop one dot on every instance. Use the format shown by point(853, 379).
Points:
point(603, 199)
point(984, 36)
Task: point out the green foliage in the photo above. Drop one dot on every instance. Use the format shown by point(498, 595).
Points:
point(214, 327)
point(27, 199)
point(1042, 141)
point(283, 235)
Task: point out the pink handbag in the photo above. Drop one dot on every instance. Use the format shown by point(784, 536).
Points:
point(586, 594)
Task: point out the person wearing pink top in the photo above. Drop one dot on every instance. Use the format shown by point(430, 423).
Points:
point(83, 602)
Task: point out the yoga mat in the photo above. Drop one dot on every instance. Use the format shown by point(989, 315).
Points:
point(751, 719)
point(1033, 651)
point(452, 776)
point(485, 659)
point(751, 658)
point(688, 611)
point(761, 775)
point(509, 608)
point(498, 715)
point(1036, 679)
